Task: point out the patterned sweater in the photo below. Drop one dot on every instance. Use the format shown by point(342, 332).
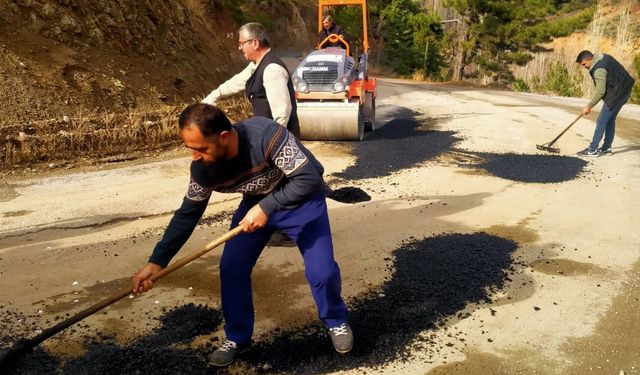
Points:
point(272, 169)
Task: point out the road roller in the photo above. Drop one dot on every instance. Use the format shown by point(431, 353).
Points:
point(335, 96)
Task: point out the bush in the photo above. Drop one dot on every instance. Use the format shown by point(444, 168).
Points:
point(635, 94)
point(536, 85)
point(521, 85)
point(561, 81)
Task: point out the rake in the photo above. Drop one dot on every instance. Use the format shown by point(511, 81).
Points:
point(549, 145)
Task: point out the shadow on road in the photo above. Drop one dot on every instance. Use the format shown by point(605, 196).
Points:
point(623, 149)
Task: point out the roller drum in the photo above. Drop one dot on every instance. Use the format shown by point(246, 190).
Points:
point(330, 121)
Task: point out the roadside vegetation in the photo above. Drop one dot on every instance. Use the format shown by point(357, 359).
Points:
point(635, 95)
point(100, 136)
point(554, 72)
point(503, 43)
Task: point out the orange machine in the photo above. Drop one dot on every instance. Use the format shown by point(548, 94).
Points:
point(334, 93)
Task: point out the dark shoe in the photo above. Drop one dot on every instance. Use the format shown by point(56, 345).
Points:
point(278, 238)
point(342, 338)
point(606, 151)
point(225, 354)
point(589, 152)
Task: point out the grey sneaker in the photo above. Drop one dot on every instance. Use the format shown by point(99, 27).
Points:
point(225, 354)
point(605, 151)
point(589, 152)
point(342, 338)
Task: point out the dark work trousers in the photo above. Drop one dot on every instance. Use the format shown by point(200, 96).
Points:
point(606, 125)
point(308, 226)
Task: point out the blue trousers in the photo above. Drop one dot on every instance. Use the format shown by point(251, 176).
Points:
point(308, 226)
point(605, 125)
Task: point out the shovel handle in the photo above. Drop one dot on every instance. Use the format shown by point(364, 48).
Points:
point(30, 343)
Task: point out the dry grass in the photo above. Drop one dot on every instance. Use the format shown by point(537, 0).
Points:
point(536, 72)
point(88, 134)
point(623, 37)
point(598, 25)
point(98, 135)
point(418, 75)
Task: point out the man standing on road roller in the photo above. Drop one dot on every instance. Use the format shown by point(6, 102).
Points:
point(266, 81)
point(613, 85)
point(283, 189)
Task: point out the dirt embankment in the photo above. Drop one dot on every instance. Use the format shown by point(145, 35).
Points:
point(62, 57)
point(79, 75)
point(71, 70)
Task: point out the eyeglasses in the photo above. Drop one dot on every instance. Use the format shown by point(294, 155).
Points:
point(243, 42)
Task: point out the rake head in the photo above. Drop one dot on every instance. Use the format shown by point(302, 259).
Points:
point(546, 147)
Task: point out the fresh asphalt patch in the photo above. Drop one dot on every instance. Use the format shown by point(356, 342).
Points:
point(528, 168)
point(403, 142)
point(432, 280)
point(534, 168)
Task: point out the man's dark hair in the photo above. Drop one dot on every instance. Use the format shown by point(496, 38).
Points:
point(584, 55)
point(209, 119)
point(256, 31)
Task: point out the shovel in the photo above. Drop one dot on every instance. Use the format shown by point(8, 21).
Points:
point(8, 358)
point(549, 145)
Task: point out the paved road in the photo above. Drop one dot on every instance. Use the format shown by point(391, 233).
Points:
point(569, 305)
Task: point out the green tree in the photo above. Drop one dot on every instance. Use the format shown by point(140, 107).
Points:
point(402, 29)
point(350, 19)
point(496, 34)
point(560, 81)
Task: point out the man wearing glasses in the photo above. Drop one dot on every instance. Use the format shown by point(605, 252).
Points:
point(613, 85)
point(265, 80)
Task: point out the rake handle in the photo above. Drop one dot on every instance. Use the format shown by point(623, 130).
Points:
point(30, 343)
point(564, 131)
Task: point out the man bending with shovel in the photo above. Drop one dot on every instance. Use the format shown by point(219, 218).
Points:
point(283, 189)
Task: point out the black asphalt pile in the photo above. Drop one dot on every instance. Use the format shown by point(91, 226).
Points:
point(398, 145)
point(182, 324)
point(433, 279)
point(37, 362)
point(110, 359)
point(151, 354)
point(15, 326)
point(349, 195)
point(533, 168)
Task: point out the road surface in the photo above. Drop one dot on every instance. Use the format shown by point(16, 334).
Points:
point(568, 304)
